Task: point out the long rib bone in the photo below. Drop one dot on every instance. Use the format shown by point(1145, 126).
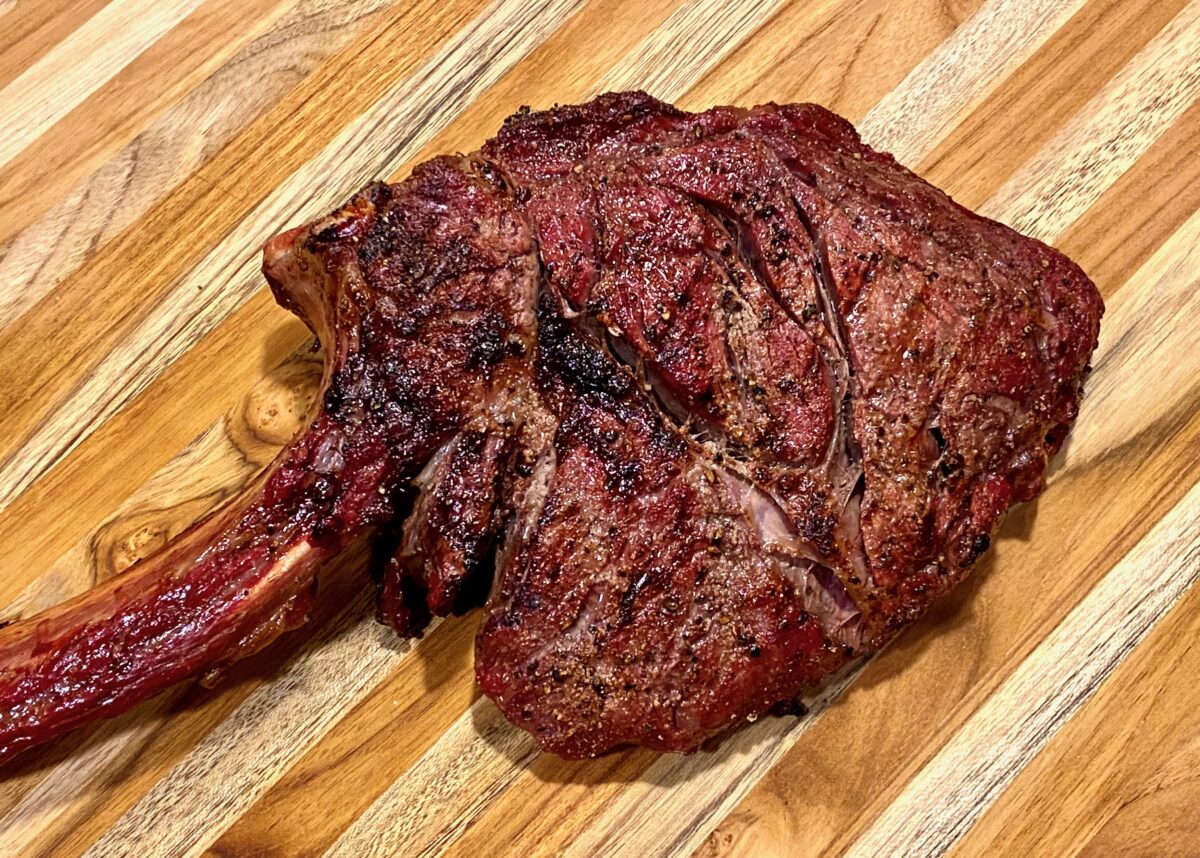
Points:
point(422, 296)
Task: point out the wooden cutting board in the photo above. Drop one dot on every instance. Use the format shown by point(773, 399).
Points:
point(149, 147)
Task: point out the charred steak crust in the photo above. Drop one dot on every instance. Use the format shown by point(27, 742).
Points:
point(869, 373)
point(714, 403)
point(640, 601)
point(422, 295)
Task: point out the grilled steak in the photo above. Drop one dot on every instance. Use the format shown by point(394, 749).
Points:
point(714, 403)
point(423, 296)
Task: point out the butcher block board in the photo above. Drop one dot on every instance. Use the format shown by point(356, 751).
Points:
point(1051, 706)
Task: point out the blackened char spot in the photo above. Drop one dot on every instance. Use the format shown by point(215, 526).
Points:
point(579, 364)
point(486, 340)
point(978, 545)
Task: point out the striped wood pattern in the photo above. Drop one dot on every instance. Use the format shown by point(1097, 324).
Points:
point(148, 148)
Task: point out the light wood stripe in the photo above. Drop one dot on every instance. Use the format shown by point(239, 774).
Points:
point(1112, 131)
point(1160, 306)
point(95, 130)
point(1143, 208)
point(59, 82)
point(1025, 111)
point(279, 720)
point(942, 802)
point(50, 798)
point(438, 797)
point(29, 33)
point(364, 753)
point(170, 149)
point(374, 145)
point(702, 33)
point(1105, 785)
point(911, 119)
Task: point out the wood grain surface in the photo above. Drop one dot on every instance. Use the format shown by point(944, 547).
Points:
point(149, 147)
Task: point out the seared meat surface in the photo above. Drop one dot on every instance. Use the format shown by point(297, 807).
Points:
point(423, 296)
point(713, 402)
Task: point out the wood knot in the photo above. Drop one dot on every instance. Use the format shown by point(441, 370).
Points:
point(276, 409)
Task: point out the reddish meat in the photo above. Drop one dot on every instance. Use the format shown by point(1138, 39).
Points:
point(422, 295)
point(714, 402)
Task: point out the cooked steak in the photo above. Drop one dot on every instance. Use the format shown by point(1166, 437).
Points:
point(714, 402)
point(839, 380)
point(423, 296)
